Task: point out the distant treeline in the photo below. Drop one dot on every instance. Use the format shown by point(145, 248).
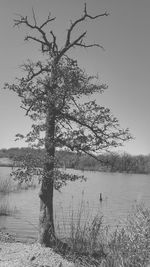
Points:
point(112, 162)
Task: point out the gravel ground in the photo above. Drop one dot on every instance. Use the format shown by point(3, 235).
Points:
point(16, 254)
point(29, 255)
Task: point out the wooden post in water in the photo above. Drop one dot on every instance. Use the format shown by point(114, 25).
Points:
point(100, 197)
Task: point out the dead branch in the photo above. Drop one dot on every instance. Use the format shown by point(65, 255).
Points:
point(34, 18)
point(33, 38)
point(73, 25)
point(47, 21)
point(90, 45)
point(55, 47)
point(45, 41)
point(51, 45)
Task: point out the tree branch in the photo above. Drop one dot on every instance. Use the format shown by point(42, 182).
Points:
point(66, 48)
point(28, 109)
point(90, 45)
point(86, 15)
point(45, 42)
point(74, 119)
point(75, 103)
point(34, 16)
point(93, 156)
point(47, 21)
point(51, 46)
point(55, 47)
point(32, 73)
point(34, 38)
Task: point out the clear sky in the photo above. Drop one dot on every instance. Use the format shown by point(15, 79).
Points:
point(124, 66)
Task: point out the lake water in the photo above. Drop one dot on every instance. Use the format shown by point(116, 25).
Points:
point(119, 192)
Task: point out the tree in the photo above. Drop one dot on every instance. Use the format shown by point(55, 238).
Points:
point(51, 93)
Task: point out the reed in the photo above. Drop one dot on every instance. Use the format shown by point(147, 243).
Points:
point(92, 244)
point(6, 210)
point(129, 246)
point(6, 186)
point(83, 232)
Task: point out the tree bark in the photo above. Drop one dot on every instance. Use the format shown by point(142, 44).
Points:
point(46, 221)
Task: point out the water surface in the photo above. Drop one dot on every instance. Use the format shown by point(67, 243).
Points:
point(119, 192)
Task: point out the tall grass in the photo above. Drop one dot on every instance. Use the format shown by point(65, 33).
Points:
point(129, 246)
point(83, 232)
point(6, 186)
point(92, 244)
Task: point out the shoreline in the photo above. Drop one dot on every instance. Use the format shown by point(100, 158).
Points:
point(18, 254)
point(87, 169)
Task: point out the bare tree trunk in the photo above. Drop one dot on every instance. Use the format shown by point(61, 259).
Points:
point(46, 222)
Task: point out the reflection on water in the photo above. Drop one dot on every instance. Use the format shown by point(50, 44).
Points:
point(119, 191)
